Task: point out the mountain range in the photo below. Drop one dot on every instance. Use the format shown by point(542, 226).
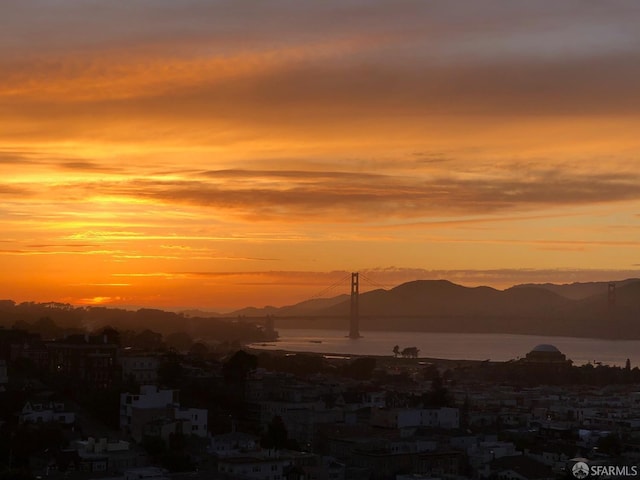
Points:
point(577, 309)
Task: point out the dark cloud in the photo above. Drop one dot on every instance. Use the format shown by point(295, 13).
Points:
point(38, 159)
point(314, 195)
point(63, 245)
point(87, 166)
point(293, 175)
point(358, 62)
point(16, 158)
point(330, 99)
point(31, 24)
point(505, 277)
point(389, 277)
point(14, 190)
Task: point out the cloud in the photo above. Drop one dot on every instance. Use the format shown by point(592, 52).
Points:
point(298, 196)
point(63, 245)
point(15, 158)
point(87, 166)
point(499, 277)
point(218, 74)
point(391, 276)
point(39, 161)
point(311, 91)
point(14, 190)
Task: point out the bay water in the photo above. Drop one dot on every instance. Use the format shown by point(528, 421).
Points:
point(455, 346)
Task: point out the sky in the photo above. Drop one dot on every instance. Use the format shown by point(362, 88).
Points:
point(220, 154)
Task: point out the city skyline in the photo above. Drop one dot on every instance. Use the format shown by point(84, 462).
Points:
point(224, 154)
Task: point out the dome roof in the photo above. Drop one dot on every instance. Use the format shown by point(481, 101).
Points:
point(544, 347)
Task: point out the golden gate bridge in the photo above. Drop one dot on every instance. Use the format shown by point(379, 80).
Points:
point(354, 309)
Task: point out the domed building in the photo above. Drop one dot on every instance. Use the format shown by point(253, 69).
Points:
point(547, 355)
point(545, 364)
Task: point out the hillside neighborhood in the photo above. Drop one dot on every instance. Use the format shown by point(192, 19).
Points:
point(92, 407)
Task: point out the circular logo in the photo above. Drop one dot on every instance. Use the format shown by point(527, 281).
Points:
point(580, 470)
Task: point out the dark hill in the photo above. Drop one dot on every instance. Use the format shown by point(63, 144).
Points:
point(441, 298)
point(439, 305)
point(578, 290)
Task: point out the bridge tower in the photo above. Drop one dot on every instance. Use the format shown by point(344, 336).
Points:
point(354, 326)
point(612, 295)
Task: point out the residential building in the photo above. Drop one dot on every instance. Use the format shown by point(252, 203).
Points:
point(92, 360)
point(46, 412)
point(143, 369)
point(157, 412)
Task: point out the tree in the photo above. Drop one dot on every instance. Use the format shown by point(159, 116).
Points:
point(16, 474)
point(147, 340)
point(396, 351)
point(46, 327)
point(361, 368)
point(179, 341)
point(610, 445)
point(277, 435)
point(236, 369)
point(410, 352)
point(170, 371)
point(438, 396)
point(199, 350)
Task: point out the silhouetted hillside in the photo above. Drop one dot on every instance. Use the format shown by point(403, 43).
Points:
point(71, 319)
point(254, 312)
point(578, 291)
point(424, 305)
point(310, 306)
point(439, 305)
point(441, 298)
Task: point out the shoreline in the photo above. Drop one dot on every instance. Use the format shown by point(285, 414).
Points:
point(389, 359)
point(453, 347)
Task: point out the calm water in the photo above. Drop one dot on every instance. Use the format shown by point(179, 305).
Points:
point(469, 346)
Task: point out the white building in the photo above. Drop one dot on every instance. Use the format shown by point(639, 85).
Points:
point(99, 455)
point(150, 397)
point(151, 473)
point(197, 418)
point(45, 413)
point(300, 419)
point(444, 417)
point(158, 412)
point(395, 417)
point(142, 368)
point(483, 453)
point(258, 467)
point(233, 443)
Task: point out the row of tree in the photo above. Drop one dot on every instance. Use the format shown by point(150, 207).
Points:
point(407, 352)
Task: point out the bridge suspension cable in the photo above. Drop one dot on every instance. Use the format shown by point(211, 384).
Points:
point(325, 291)
point(372, 282)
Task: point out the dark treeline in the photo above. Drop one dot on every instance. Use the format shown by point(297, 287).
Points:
point(517, 373)
point(53, 320)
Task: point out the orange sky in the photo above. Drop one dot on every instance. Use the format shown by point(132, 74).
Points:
point(224, 154)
